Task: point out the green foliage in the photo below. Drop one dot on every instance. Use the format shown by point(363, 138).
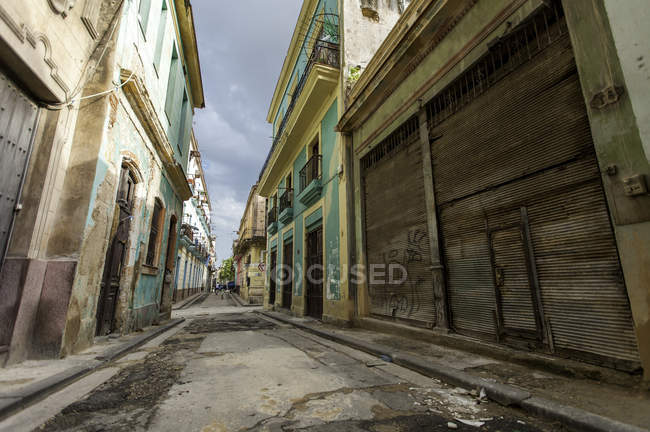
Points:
point(227, 270)
point(355, 74)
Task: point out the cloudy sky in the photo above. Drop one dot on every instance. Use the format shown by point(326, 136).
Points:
point(242, 45)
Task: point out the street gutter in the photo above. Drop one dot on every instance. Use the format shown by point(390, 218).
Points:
point(13, 402)
point(503, 394)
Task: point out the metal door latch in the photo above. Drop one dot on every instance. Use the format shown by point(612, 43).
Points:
point(499, 276)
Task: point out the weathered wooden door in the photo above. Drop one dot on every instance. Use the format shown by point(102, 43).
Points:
point(315, 273)
point(273, 277)
point(287, 275)
point(18, 115)
point(115, 254)
point(169, 261)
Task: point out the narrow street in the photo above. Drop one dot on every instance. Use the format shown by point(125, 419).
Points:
point(229, 369)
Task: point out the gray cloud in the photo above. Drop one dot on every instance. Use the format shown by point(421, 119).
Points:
point(242, 45)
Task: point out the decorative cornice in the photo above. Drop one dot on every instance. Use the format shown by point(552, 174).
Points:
point(26, 35)
point(138, 96)
point(90, 15)
point(399, 55)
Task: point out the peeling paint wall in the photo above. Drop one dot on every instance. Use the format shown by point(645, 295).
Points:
point(363, 33)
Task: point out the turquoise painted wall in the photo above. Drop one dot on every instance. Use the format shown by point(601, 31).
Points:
point(331, 162)
point(148, 289)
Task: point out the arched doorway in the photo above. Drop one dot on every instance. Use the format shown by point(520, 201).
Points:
point(116, 252)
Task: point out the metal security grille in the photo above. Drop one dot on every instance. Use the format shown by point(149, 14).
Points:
point(529, 249)
point(505, 55)
point(403, 135)
point(18, 115)
point(400, 281)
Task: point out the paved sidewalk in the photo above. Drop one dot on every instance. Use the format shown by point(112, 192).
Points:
point(536, 390)
point(32, 380)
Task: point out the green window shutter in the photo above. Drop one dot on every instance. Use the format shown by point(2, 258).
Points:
point(185, 126)
point(160, 38)
point(171, 86)
point(143, 14)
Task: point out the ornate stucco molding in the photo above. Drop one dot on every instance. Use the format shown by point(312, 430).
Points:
point(26, 35)
point(62, 7)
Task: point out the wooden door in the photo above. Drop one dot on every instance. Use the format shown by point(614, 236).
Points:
point(315, 273)
point(115, 254)
point(287, 275)
point(273, 276)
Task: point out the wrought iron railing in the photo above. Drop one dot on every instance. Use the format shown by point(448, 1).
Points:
point(273, 215)
point(286, 200)
point(310, 172)
point(187, 230)
point(250, 233)
point(326, 53)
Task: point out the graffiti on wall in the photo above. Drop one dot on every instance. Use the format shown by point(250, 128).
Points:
point(396, 284)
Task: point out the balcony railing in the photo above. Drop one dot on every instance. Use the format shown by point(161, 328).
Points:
point(310, 172)
point(286, 200)
point(251, 233)
point(326, 53)
point(187, 230)
point(273, 216)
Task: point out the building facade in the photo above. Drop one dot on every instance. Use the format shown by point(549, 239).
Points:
point(249, 250)
point(303, 177)
point(500, 161)
point(196, 249)
point(92, 250)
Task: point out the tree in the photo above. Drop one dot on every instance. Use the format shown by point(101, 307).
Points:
point(227, 270)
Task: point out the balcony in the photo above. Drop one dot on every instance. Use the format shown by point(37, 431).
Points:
point(272, 227)
point(318, 80)
point(187, 230)
point(286, 206)
point(310, 181)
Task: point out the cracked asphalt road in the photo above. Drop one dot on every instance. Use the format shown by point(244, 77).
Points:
point(229, 369)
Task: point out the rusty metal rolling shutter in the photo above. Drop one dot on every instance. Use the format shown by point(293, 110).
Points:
point(525, 143)
point(396, 227)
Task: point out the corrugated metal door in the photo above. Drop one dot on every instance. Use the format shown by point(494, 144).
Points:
point(512, 137)
point(400, 280)
point(18, 115)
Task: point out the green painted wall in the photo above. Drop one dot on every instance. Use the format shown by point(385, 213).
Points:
point(331, 162)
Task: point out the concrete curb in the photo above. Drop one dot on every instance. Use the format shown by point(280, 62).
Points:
point(11, 403)
point(189, 302)
point(240, 302)
point(503, 394)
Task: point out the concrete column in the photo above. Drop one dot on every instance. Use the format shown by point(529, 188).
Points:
point(618, 140)
point(437, 269)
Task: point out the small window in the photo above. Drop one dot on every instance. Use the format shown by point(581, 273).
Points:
point(155, 237)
